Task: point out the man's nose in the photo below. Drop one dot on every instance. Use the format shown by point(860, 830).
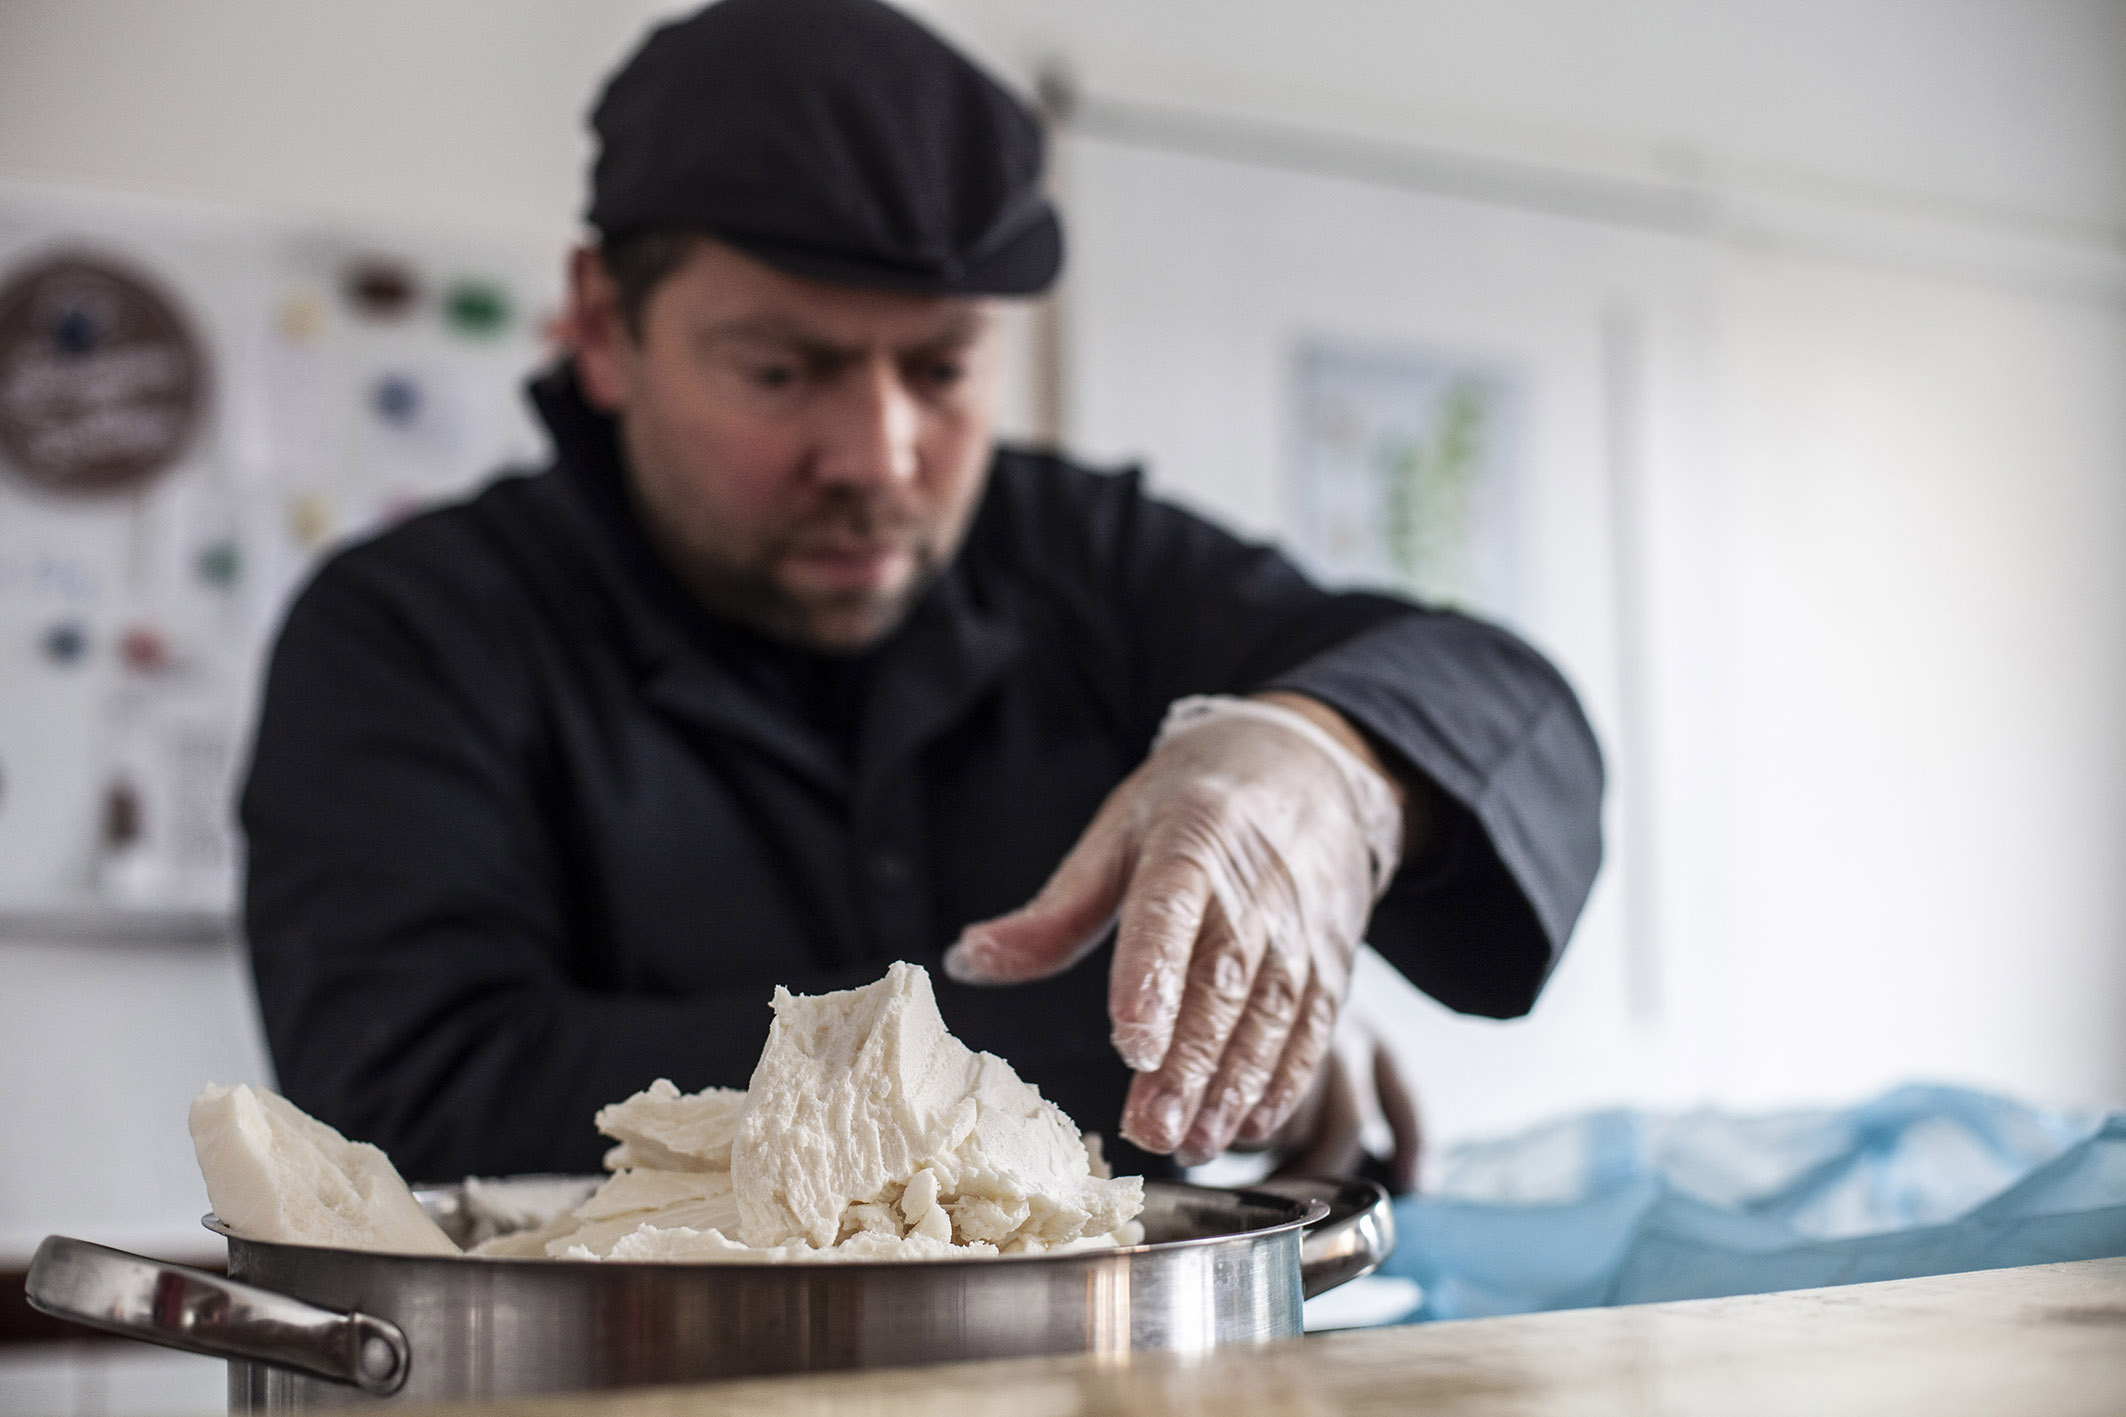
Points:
point(872, 442)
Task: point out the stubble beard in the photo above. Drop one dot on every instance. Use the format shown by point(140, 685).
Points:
point(751, 592)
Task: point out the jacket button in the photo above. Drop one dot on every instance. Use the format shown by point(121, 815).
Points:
point(889, 868)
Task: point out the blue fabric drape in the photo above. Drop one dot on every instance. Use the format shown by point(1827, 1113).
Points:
point(1627, 1208)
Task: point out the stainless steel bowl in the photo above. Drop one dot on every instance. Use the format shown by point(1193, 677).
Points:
point(305, 1327)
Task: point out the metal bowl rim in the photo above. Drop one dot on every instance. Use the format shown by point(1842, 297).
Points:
point(1301, 1214)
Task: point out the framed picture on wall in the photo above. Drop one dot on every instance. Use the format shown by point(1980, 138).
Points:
point(1402, 470)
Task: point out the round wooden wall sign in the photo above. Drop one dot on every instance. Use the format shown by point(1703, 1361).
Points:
point(102, 382)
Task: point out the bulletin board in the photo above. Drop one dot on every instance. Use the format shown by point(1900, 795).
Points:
point(194, 409)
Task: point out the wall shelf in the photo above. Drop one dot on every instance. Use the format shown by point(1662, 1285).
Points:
point(105, 925)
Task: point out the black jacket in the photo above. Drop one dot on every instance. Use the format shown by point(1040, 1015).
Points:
point(526, 831)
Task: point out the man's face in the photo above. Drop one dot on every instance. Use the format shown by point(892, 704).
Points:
point(805, 456)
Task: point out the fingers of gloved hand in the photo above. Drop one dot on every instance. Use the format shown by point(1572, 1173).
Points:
point(1333, 1143)
point(1158, 953)
point(1062, 923)
point(1156, 1112)
point(1220, 976)
point(1251, 1056)
point(1398, 1105)
point(1309, 1040)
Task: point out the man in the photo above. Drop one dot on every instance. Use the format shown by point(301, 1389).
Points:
point(784, 670)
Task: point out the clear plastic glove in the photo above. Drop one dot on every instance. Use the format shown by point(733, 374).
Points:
point(1243, 858)
point(1326, 1133)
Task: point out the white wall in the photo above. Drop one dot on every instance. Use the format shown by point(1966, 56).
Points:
point(461, 118)
point(2014, 112)
point(1927, 581)
point(1884, 508)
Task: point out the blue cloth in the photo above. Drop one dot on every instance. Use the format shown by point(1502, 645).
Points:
point(1627, 1208)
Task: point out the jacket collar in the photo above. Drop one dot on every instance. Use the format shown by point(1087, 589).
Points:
point(924, 679)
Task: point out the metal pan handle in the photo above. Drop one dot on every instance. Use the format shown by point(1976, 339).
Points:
point(1353, 1239)
point(178, 1307)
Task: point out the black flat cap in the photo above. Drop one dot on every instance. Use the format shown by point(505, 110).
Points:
point(837, 139)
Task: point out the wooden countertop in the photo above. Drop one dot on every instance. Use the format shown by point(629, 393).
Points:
point(2050, 1340)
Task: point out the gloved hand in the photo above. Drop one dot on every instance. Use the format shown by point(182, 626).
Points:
point(1243, 857)
point(1325, 1135)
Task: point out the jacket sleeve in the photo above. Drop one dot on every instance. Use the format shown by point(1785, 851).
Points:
point(426, 974)
point(1480, 919)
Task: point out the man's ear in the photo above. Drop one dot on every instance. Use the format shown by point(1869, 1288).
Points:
point(597, 332)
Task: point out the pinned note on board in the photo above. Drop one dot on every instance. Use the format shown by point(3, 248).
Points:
point(103, 382)
point(65, 643)
point(380, 287)
point(478, 309)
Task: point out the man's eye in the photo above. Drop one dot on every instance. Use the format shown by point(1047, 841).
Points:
point(772, 376)
point(943, 373)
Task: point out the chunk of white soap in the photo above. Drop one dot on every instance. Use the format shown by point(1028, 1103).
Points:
point(275, 1173)
point(635, 1200)
point(666, 1130)
point(869, 1133)
point(865, 1116)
